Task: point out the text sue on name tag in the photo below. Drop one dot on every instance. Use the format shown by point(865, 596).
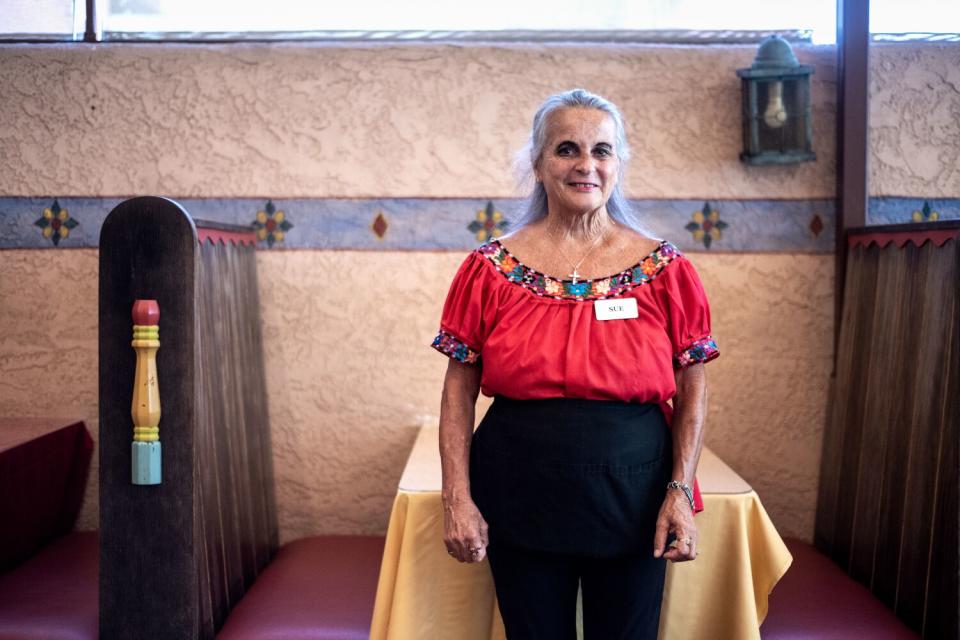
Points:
point(615, 309)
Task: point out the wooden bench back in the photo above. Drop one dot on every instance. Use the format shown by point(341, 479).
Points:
point(889, 484)
point(176, 556)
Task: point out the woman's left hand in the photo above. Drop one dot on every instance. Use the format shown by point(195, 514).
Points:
point(676, 517)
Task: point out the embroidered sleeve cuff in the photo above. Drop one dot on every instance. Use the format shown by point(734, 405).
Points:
point(448, 344)
point(703, 350)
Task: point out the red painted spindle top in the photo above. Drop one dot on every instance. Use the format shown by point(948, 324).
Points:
point(146, 312)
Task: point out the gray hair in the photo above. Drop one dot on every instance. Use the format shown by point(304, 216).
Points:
point(535, 205)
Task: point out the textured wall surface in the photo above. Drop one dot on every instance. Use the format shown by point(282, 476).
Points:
point(773, 320)
point(48, 343)
point(915, 120)
point(351, 121)
point(349, 371)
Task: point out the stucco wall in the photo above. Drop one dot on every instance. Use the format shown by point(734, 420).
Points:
point(915, 120)
point(48, 342)
point(350, 121)
point(412, 121)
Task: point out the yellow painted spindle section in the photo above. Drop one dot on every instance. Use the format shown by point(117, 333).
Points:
point(145, 408)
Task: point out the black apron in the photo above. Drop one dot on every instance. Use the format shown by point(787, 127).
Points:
point(571, 476)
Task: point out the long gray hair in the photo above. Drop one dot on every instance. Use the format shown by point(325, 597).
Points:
point(535, 205)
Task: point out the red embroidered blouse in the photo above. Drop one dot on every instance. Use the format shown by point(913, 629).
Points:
point(539, 337)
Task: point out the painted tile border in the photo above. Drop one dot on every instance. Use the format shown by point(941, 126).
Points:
point(804, 226)
point(899, 210)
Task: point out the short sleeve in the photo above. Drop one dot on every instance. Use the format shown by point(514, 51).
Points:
point(688, 315)
point(468, 312)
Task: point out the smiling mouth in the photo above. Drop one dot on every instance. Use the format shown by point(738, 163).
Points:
point(583, 186)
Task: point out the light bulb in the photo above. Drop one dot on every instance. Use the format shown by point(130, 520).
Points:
point(775, 115)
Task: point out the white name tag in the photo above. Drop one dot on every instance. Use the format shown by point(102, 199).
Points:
point(615, 309)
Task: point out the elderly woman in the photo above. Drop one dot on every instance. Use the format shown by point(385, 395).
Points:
point(575, 476)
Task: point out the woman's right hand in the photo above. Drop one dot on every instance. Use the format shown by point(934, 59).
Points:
point(464, 531)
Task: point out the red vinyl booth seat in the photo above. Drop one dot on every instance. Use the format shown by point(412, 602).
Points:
point(816, 600)
point(321, 588)
point(53, 595)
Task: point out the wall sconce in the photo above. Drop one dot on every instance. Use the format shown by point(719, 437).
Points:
point(777, 128)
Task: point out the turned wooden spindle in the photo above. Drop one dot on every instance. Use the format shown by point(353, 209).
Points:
point(145, 408)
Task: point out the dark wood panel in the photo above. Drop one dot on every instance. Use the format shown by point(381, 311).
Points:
point(148, 576)
point(915, 339)
point(829, 488)
point(887, 505)
point(853, 105)
point(833, 505)
point(884, 373)
point(942, 602)
point(258, 407)
point(240, 533)
point(261, 482)
point(859, 316)
point(942, 594)
point(924, 397)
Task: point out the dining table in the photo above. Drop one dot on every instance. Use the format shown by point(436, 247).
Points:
point(44, 463)
point(423, 593)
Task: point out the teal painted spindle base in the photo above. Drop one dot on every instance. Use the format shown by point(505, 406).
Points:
point(146, 462)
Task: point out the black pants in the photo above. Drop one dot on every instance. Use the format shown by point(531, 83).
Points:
point(537, 594)
point(571, 490)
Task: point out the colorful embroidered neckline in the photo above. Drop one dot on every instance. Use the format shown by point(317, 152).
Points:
point(597, 289)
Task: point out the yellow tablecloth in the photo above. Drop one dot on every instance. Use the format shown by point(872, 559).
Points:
point(424, 594)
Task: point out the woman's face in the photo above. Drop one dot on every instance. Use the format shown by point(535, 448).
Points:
point(579, 164)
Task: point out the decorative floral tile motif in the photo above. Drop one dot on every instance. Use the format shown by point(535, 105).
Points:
point(925, 214)
point(706, 225)
point(489, 224)
point(582, 290)
point(271, 225)
point(905, 210)
point(703, 350)
point(448, 344)
point(55, 223)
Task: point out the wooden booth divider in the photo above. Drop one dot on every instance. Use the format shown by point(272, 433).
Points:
point(176, 556)
point(888, 498)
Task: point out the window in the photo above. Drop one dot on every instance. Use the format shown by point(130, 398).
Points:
point(42, 19)
point(598, 20)
point(444, 16)
point(921, 17)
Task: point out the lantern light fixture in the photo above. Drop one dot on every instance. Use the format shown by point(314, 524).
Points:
point(777, 128)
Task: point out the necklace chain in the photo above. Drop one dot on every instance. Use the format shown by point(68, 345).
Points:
point(575, 275)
